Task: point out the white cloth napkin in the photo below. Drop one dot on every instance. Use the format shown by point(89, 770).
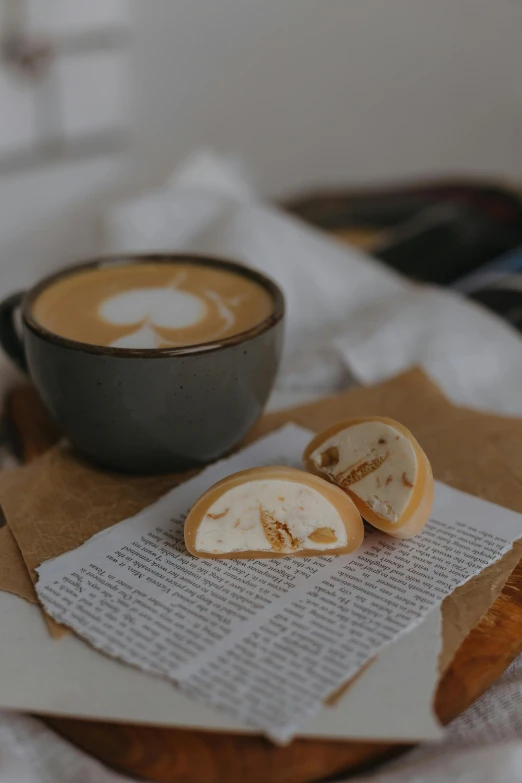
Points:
point(32, 753)
point(471, 353)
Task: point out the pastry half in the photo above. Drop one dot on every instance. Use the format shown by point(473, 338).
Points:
point(381, 467)
point(273, 511)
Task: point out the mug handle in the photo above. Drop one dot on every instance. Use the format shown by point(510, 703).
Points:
point(10, 339)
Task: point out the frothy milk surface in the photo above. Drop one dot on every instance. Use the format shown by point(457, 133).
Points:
point(152, 305)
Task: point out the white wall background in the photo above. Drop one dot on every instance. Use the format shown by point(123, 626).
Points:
point(310, 92)
point(338, 90)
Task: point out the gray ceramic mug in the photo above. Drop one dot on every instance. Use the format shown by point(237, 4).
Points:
point(149, 410)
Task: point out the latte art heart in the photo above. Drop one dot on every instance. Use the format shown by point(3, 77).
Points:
point(163, 308)
point(169, 308)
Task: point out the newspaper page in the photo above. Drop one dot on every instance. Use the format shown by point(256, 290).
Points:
point(265, 640)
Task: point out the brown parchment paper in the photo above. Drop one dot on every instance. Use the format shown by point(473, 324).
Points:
point(14, 576)
point(59, 501)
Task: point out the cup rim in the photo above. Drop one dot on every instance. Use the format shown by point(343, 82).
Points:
point(125, 259)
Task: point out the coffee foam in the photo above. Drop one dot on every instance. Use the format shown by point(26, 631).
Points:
point(152, 305)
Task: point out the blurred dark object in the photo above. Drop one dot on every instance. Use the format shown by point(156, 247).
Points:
point(498, 286)
point(503, 301)
point(447, 241)
point(435, 233)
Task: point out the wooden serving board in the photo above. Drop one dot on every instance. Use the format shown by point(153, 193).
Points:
point(189, 756)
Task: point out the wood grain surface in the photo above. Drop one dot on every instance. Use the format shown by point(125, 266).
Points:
point(189, 756)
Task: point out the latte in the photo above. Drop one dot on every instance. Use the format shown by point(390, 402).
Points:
point(152, 305)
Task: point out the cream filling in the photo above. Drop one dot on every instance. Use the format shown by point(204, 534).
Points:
point(374, 461)
point(270, 515)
